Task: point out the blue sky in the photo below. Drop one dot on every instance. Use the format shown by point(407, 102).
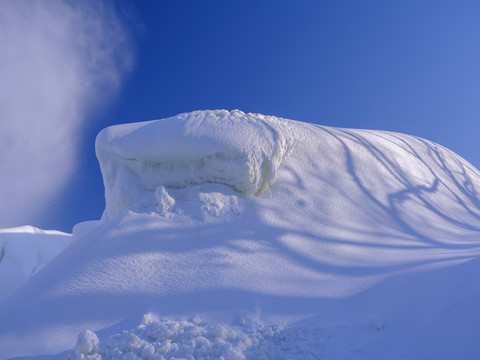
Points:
point(405, 66)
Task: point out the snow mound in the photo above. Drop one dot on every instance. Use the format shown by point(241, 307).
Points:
point(243, 151)
point(195, 339)
point(371, 236)
point(23, 251)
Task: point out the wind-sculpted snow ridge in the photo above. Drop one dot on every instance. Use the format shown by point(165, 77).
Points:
point(239, 150)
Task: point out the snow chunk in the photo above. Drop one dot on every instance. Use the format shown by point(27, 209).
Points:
point(164, 201)
point(87, 344)
point(242, 151)
point(194, 339)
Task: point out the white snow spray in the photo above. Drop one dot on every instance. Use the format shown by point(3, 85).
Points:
point(59, 60)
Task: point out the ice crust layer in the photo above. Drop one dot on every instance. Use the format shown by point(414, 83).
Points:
point(239, 150)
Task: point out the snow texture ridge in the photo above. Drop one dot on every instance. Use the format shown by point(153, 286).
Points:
point(239, 150)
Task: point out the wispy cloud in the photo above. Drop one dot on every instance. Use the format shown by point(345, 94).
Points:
point(58, 61)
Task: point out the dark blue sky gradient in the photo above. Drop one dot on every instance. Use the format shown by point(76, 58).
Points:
point(405, 66)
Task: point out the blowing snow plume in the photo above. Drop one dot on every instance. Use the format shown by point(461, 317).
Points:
point(58, 59)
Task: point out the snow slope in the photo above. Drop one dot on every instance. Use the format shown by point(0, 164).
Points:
point(365, 243)
point(23, 251)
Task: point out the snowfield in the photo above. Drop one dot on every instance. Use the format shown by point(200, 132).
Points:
point(243, 236)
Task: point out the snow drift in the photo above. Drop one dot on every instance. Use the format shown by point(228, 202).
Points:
point(369, 240)
point(25, 250)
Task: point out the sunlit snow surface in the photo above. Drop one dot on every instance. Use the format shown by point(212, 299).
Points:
point(367, 239)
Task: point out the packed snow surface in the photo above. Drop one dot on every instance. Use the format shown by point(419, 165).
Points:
point(365, 243)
